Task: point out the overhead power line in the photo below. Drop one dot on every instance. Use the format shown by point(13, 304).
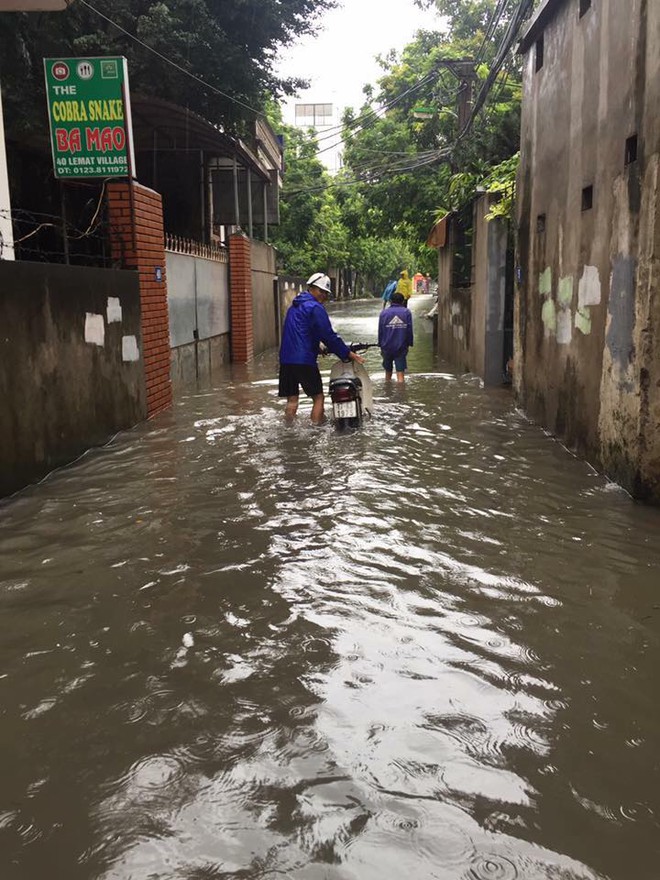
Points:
point(169, 61)
point(524, 7)
point(370, 116)
point(495, 19)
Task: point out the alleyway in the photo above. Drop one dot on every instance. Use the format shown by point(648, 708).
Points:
point(236, 649)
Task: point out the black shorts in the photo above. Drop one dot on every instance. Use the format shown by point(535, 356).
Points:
point(294, 375)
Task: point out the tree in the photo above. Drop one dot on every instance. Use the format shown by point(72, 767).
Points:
point(402, 171)
point(408, 169)
point(230, 44)
point(302, 199)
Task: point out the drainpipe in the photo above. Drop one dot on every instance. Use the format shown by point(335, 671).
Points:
point(202, 198)
point(237, 216)
point(209, 201)
point(265, 212)
point(249, 201)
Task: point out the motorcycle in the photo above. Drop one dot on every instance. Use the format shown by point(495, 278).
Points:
point(350, 391)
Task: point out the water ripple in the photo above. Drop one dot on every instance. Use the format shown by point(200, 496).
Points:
point(235, 648)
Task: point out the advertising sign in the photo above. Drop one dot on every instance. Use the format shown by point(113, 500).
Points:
point(90, 117)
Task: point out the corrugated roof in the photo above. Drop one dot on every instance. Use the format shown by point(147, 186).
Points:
point(544, 14)
point(182, 129)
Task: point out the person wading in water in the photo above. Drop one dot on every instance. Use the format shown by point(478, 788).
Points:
point(306, 326)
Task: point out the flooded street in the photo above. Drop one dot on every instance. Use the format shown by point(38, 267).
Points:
point(237, 649)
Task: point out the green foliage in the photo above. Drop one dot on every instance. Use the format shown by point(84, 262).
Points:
point(231, 44)
point(502, 180)
point(304, 201)
point(401, 173)
point(386, 156)
point(379, 260)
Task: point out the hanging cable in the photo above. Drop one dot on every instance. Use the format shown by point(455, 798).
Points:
point(169, 60)
point(512, 32)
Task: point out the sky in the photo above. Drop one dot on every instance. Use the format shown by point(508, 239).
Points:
point(352, 35)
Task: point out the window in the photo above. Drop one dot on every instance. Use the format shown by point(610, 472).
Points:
point(313, 115)
point(539, 53)
point(540, 223)
point(631, 150)
point(585, 6)
point(587, 198)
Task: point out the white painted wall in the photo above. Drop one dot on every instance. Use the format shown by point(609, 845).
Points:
point(6, 233)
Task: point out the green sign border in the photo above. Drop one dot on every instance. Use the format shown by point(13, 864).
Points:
point(89, 120)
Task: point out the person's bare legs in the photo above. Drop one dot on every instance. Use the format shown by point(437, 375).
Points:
point(318, 415)
point(400, 378)
point(388, 375)
point(291, 409)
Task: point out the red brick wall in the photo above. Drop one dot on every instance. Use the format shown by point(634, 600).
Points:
point(136, 228)
point(240, 289)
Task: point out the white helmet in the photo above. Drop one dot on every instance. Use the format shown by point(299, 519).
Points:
point(321, 281)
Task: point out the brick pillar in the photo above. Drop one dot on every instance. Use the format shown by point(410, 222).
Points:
point(240, 287)
point(136, 229)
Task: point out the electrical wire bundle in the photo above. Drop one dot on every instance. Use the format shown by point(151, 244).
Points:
point(408, 162)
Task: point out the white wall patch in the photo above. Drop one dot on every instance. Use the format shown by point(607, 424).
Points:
point(113, 311)
point(129, 349)
point(94, 329)
point(564, 326)
point(589, 288)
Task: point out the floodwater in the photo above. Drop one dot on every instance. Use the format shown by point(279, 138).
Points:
point(237, 649)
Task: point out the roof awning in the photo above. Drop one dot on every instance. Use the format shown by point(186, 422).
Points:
point(439, 235)
point(540, 19)
point(160, 125)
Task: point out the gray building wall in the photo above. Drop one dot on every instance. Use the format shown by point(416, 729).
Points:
point(587, 357)
point(71, 369)
point(288, 288)
point(470, 331)
point(264, 297)
point(198, 304)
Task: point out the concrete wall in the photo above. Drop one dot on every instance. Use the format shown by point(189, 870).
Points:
point(470, 324)
point(198, 301)
point(588, 318)
point(264, 300)
point(71, 366)
point(198, 297)
point(135, 217)
point(288, 287)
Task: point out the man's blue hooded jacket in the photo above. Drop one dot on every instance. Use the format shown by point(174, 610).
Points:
point(307, 325)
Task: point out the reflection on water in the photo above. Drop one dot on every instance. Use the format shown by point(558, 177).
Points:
point(238, 649)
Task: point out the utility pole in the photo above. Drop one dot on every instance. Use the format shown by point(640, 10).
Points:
point(463, 70)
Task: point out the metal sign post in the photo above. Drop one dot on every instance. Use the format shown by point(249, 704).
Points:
point(6, 232)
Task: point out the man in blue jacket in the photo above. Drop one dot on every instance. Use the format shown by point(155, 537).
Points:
point(395, 336)
point(306, 326)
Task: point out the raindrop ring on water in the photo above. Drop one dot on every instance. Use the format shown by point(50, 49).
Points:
point(493, 867)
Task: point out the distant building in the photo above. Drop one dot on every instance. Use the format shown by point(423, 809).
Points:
point(325, 121)
point(587, 352)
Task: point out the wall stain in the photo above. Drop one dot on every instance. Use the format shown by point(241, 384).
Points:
point(622, 311)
